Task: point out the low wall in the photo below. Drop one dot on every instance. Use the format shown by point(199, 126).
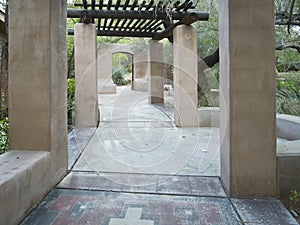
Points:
point(209, 116)
point(25, 178)
point(288, 126)
point(288, 148)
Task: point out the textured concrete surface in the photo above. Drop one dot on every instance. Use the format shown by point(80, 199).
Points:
point(145, 183)
point(247, 97)
point(155, 72)
point(77, 141)
point(37, 105)
point(185, 76)
point(65, 206)
point(86, 88)
point(127, 174)
point(137, 137)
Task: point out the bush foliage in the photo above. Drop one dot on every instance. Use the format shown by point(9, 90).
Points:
point(4, 143)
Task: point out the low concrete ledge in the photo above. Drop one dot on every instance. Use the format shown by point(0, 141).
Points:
point(288, 176)
point(288, 126)
point(106, 87)
point(24, 180)
point(288, 148)
point(140, 84)
point(209, 116)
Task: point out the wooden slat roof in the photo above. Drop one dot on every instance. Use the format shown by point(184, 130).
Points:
point(133, 18)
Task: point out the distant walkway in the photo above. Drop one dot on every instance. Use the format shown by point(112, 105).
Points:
point(137, 137)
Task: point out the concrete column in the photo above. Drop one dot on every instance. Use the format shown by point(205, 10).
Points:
point(185, 76)
point(37, 76)
point(155, 73)
point(86, 94)
point(104, 64)
point(37, 106)
point(247, 80)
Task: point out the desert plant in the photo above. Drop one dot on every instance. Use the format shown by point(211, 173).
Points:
point(294, 198)
point(71, 99)
point(4, 143)
point(119, 78)
point(288, 94)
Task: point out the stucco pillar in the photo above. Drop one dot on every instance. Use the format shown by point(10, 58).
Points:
point(104, 72)
point(37, 106)
point(86, 94)
point(247, 82)
point(155, 73)
point(185, 76)
point(38, 77)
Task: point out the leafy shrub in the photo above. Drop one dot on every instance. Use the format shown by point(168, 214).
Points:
point(119, 78)
point(4, 144)
point(71, 99)
point(288, 94)
point(294, 198)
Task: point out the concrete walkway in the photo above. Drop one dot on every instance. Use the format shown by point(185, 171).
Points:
point(137, 137)
point(138, 169)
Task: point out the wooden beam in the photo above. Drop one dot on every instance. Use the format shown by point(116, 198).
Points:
point(134, 4)
point(100, 4)
point(120, 33)
point(149, 5)
point(93, 4)
point(188, 20)
point(123, 24)
point(183, 5)
point(109, 4)
point(85, 5)
point(134, 25)
point(126, 14)
point(126, 5)
point(117, 5)
point(156, 26)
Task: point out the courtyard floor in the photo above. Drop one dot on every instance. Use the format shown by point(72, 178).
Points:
point(137, 168)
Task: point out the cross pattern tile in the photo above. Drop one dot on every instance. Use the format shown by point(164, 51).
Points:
point(133, 216)
point(63, 206)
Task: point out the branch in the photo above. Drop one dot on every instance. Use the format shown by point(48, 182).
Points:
point(291, 15)
point(281, 47)
point(282, 23)
point(212, 59)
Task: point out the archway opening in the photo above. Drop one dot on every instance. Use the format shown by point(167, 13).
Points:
point(122, 68)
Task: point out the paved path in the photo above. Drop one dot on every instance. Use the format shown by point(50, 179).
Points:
point(138, 169)
point(137, 137)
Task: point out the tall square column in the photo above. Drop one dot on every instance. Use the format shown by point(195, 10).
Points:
point(37, 76)
point(37, 106)
point(155, 73)
point(185, 76)
point(86, 94)
point(247, 101)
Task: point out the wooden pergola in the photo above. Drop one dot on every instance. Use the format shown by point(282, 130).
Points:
point(133, 19)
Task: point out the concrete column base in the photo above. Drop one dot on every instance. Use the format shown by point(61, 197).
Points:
point(140, 84)
point(106, 87)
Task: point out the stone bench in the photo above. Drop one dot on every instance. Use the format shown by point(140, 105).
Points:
point(288, 126)
point(209, 116)
point(24, 180)
point(288, 155)
point(140, 84)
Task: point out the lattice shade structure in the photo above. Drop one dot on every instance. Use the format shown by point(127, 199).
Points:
point(132, 18)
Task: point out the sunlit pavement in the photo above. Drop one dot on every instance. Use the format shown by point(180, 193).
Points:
point(137, 168)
